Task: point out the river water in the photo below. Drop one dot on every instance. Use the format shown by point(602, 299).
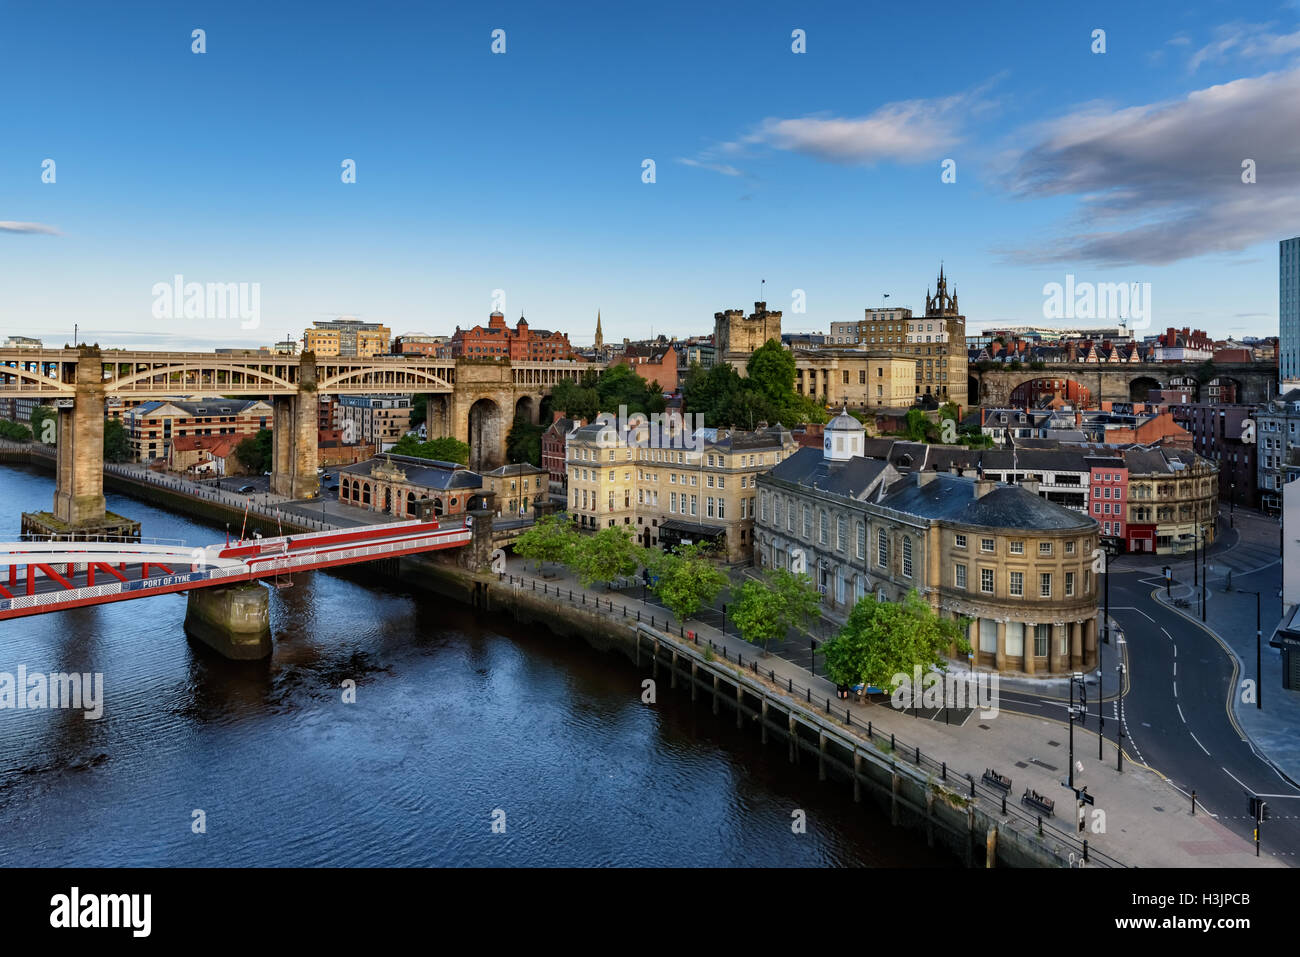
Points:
point(457, 716)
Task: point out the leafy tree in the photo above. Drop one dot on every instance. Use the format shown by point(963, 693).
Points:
point(919, 428)
point(620, 385)
point(446, 449)
point(419, 409)
point(116, 446)
point(687, 579)
point(767, 609)
point(45, 433)
point(576, 400)
point(883, 639)
point(552, 539)
point(254, 452)
point(15, 431)
point(524, 443)
point(608, 554)
point(725, 398)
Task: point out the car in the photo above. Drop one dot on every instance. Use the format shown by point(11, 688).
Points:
point(333, 488)
point(327, 476)
point(245, 489)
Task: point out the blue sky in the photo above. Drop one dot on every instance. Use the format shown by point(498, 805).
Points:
point(523, 171)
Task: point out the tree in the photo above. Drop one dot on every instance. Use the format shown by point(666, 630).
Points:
point(524, 442)
point(608, 554)
point(552, 539)
point(48, 434)
point(446, 449)
point(419, 409)
point(254, 453)
point(883, 639)
point(15, 431)
point(687, 579)
point(918, 426)
point(575, 400)
point(116, 446)
point(767, 609)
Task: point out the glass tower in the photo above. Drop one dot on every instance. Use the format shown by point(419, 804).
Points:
point(1288, 309)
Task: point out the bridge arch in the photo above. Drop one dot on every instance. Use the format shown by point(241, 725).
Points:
point(1140, 386)
point(43, 382)
point(1224, 389)
point(255, 379)
point(1188, 384)
point(487, 427)
point(526, 406)
point(1033, 392)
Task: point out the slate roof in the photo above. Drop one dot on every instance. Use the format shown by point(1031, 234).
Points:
point(429, 473)
point(952, 498)
point(810, 468)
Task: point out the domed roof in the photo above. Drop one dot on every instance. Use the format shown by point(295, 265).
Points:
point(844, 423)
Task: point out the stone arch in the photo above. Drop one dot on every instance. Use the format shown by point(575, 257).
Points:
point(1032, 392)
point(528, 407)
point(410, 503)
point(1139, 386)
point(486, 434)
point(437, 415)
point(972, 390)
point(437, 507)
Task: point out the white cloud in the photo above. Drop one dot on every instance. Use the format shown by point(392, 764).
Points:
point(9, 226)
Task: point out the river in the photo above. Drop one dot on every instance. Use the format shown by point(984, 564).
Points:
point(458, 717)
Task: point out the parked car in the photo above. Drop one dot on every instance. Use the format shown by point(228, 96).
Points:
point(245, 489)
point(334, 488)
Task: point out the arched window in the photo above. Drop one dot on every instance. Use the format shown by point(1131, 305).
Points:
point(365, 494)
point(907, 557)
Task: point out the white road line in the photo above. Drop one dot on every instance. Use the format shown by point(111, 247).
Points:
point(1180, 713)
point(1138, 610)
point(1199, 745)
point(1175, 665)
point(1175, 689)
point(1233, 776)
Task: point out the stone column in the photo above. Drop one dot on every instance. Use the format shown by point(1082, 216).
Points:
point(1001, 659)
point(973, 636)
point(1054, 664)
point(1029, 647)
point(293, 442)
point(1076, 645)
point(79, 483)
point(233, 620)
point(477, 555)
point(1090, 643)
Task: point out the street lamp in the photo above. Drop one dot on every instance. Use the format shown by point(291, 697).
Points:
point(1119, 724)
point(1074, 713)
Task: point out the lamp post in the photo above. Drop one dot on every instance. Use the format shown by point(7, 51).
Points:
point(1074, 712)
point(1105, 640)
point(1119, 724)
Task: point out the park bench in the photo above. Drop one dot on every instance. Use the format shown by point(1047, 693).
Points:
point(997, 780)
point(1037, 801)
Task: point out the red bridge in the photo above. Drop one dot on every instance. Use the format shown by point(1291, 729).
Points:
point(52, 576)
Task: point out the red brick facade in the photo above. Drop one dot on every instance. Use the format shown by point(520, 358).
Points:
point(499, 341)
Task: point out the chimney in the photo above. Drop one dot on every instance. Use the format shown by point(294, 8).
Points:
point(1031, 486)
point(983, 487)
point(924, 478)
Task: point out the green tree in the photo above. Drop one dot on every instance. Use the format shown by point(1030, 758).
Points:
point(766, 609)
point(919, 428)
point(524, 443)
point(116, 446)
point(883, 639)
point(552, 539)
point(446, 449)
point(608, 554)
point(419, 409)
point(15, 431)
point(254, 453)
point(49, 434)
point(687, 579)
point(575, 400)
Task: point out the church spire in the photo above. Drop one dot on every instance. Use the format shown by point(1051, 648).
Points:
point(600, 336)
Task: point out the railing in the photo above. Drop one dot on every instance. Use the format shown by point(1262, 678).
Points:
point(276, 564)
point(909, 752)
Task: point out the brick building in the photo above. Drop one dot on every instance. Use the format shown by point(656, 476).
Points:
point(499, 341)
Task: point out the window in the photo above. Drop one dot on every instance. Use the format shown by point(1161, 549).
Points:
point(1069, 548)
point(708, 506)
point(841, 533)
point(1044, 548)
point(1045, 585)
point(862, 540)
point(986, 544)
point(695, 505)
point(959, 541)
point(1017, 548)
point(1016, 583)
point(986, 580)
point(1041, 634)
point(907, 556)
point(1069, 584)
point(722, 510)
point(823, 526)
point(959, 576)
point(807, 523)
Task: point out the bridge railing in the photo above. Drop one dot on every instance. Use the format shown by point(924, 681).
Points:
point(270, 565)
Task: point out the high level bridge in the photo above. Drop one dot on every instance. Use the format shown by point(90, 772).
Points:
point(474, 400)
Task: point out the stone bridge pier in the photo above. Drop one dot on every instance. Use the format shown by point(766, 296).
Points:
point(79, 482)
point(294, 436)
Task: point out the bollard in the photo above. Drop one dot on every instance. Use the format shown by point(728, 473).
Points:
point(891, 741)
point(789, 685)
point(1040, 825)
point(1004, 804)
point(945, 770)
point(1193, 802)
point(828, 705)
point(1085, 850)
point(971, 779)
point(848, 718)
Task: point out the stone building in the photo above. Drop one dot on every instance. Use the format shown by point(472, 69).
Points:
point(151, 427)
point(736, 336)
point(673, 489)
point(378, 420)
point(395, 484)
point(496, 340)
point(1019, 568)
point(1277, 436)
point(516, 490)
point(346, 338)
point(856, 379)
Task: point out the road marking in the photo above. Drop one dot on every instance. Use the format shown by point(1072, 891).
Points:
point(1175, 689)
point(1199, 745)
point(1138, 610)
point(1233, 776)
point(1175, 664)
point(1180, 713)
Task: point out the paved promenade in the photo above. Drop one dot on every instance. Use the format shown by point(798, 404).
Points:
point(1148, 822)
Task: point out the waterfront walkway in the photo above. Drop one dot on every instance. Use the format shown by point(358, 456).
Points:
point(1148, 822)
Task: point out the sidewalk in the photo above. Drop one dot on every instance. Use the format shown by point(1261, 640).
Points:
point(1272, 729)
point(1148, 822)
